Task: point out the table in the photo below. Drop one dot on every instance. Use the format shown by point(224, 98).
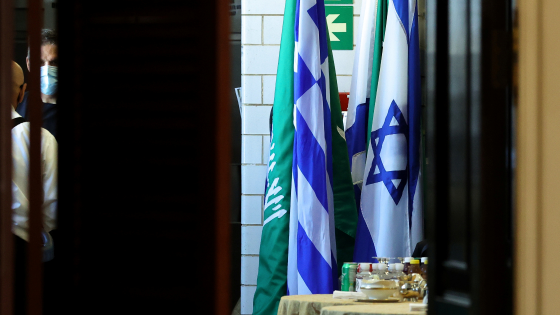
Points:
point(324, 304)
point(309, 304)
point(371, 309)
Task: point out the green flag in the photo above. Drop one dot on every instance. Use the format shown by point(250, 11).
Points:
point(273, 255)
point(382, 6)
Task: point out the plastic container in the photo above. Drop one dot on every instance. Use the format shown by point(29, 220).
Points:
point(383, 273)
point(424, 268)
point(414, 267)
point(406, 264)
point(398, 273)
point(364, 273)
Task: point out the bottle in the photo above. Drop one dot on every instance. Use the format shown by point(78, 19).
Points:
point(391, 270)
point(414, 267)
point(374, 271)
point(383, 274)
point(406, 264)
point(364, 273)
point(424, 268)
point(399, 274)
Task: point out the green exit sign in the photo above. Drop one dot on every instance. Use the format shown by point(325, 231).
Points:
point(338, 1)
point(340, 21)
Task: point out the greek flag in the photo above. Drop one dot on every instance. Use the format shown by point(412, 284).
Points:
point(312, 267)
point(391, 203)
point(358, 105)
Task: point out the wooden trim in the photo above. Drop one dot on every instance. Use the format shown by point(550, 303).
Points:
point(35, 110)
point(222, 142)
point(6, 238)
point(528, 238)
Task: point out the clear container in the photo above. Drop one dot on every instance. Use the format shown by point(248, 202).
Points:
point(364, 273)
point(383, 273)
point(399, 274)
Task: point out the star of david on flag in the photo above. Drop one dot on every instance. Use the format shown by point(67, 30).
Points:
point(390, 218)
point(395, 180)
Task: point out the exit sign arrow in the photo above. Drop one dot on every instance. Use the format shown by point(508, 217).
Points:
point(340, 22)
point(335, 27)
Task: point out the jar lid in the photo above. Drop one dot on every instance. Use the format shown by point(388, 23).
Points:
point(415, 262)
point(407, 259)
point(424, 259)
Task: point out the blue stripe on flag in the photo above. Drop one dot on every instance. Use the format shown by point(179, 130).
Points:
point(334, 269)
point(294, 163)
point(327, 122)
point(296, 26)
point(314, 15)
point(414, 113)
point(401, 6)
point(313, 269)
point(322, 26)
point(303, 80)
point(364, 250)
point(311, 160)
point(358, 131)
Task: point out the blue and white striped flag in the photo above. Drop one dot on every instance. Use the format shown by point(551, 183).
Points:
point(391, 201)
point(358, 105)
point(312, 267)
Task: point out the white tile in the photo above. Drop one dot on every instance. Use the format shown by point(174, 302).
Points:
point(269, 86)
point(250, 240)
point(251, 209)
point(262, 7)
point(253, 178)
point(247, 294)
point(249, 269)
point(259, 59)
point(266, 149)
point(251, 30)
point(272, 29)
point(343, 61)
point(251, 89)
point(356, 29)
point(251, 147)
point(357, 6)
point(344, 83)
point(255, 120)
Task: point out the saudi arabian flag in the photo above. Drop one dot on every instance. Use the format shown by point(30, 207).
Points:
point(273, 255)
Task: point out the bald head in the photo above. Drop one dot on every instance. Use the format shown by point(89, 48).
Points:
point(18, 86)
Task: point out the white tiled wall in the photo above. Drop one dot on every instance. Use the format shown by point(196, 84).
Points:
point(261, 33)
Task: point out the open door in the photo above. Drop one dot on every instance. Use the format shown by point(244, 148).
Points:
point(144, 157)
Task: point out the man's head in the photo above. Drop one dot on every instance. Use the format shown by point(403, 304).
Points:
point(18, 86)
point(49, 49)
point(48, 65)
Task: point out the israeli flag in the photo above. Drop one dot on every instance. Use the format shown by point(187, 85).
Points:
point(312, 267)
point(358, 105)
point(391, 203)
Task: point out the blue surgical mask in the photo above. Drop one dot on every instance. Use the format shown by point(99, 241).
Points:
point(49, 80)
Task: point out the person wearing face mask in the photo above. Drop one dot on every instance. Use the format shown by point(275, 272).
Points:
point(49, 81)
point(20, 195)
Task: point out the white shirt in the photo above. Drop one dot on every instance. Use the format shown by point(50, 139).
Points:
point(20, 178)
